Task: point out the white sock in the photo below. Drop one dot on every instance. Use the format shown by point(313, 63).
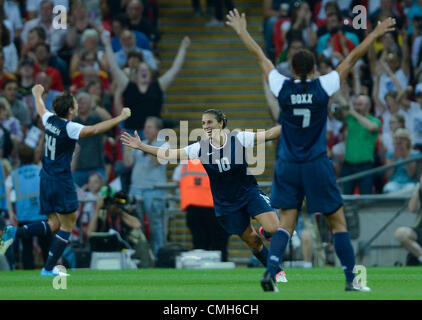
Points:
point(307, 264)
point(420, 259)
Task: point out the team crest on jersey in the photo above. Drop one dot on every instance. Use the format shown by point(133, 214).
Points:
point(305, 98)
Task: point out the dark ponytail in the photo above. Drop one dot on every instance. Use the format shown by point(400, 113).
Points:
point(219, 115)
point(302, 63)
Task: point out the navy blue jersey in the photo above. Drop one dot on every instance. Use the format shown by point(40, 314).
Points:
point(226, 167)
point(60, 140)
point(303, 114)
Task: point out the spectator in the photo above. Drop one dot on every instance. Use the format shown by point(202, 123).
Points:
point(396, 72)
point(301, 21)
point(25, 183)
point(87, 72)
point(361, 139)
point(14, 17)
point(42, 56)
point(294, 45)
point(218, 7)
point(26, 79)
point(49, 94)
point(404, 176)
point(134, 59)
point(89, 46)
point(397, 121)
point(89, 192)
point(338, 150)
point(4, 75)
point(100, 97)
point(128, 41)
point(11, 124)
point(33, 6)
point(411, 237)
point(146, 173)
point(90, 157)
point(137, 22)
point(196, 200)
point(19, 109)
point(145, 96)
point(337, 42)
point(415, 118)
point(273, 10)
point(120, 23)
point(55, 37)
point(9, 50)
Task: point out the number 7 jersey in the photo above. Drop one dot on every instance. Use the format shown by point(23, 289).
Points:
point(303, 114)
point(60, 140)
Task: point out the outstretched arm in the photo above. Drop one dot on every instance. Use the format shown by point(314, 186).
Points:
point(238, 23)
point(382, 28)
point(267, 135)
point(37, 91)
point(104, 126)
point(166, 79)
point(162, 153)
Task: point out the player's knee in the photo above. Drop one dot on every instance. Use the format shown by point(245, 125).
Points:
point(271, 229)
point(254, 243)
point(402, 234)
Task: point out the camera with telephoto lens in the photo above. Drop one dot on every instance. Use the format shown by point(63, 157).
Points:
point(336, 108)
point(111, 197)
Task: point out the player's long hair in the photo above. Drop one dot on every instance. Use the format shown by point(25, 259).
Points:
point(62, 104)
point(302, 63)
point(219, 115)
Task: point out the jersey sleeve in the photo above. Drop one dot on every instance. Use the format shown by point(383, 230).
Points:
point(45, 117)
point(74, 129)
point(275, 81)
point(247, 139)
point(330, 82)
point(192, 150)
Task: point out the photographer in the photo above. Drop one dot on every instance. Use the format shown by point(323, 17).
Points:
point(113, 213)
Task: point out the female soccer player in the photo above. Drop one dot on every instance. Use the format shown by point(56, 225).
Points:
point(303, 168)
point(236, 194)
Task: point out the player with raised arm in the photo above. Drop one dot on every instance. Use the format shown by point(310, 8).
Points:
point(58, 199)
point(237, 196)
point(303, 168)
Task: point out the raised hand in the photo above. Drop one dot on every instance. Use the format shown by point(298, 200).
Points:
point(236, 21)
point(38, 90)
point(125, 113)
point(387, 25)
point(131, 141)
point(185, 42)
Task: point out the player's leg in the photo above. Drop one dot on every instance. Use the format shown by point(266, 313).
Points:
point(61, 239)
point(39, 228)
point(409, 240)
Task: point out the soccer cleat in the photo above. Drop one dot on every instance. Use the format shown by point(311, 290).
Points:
point(53, 273)
point(267, 282)
point(281, 276)
point(7, 239)
point(350, 286)
point(261, 232)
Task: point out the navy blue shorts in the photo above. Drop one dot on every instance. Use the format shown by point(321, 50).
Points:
point(239, 219)
point(57, 196)
point(315, 179)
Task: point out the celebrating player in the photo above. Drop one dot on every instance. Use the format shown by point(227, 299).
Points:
point(58, 197)
point(303, 168)
point(236, 194)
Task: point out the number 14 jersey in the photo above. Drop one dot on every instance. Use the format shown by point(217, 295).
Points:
point(303, 114)
point(60, 140)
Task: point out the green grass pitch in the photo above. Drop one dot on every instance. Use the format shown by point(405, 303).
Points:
point(236, 284)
